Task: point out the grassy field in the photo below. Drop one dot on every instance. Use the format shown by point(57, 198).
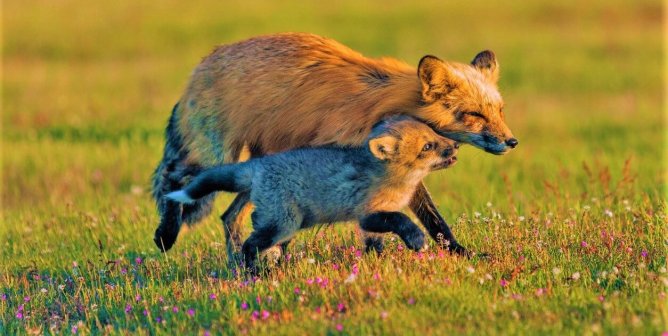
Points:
point(575, 217)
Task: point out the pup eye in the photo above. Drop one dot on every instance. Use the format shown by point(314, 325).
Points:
point(427, 147)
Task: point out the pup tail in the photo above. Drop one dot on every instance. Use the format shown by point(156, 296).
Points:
point(231, 178)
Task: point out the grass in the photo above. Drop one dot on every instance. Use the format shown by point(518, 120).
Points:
point(575, 217)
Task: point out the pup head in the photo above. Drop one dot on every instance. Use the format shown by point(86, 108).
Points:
point(408, 144)
point(463, 103)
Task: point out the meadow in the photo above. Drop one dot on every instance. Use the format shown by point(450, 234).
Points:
point(574, 218)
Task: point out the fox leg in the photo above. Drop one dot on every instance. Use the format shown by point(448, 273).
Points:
point(372, 241)
point(398, 223)
point(423, 207)
point(269, 229)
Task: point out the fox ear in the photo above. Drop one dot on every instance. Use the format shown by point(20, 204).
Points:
point(485, 62)
point(383, 147)
point(437, 78)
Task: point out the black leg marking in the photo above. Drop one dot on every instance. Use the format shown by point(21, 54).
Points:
point(374, 243)
point(258, 241)
point(232, 222)
point(395, 222)
point(423, 207)
point(170, 224)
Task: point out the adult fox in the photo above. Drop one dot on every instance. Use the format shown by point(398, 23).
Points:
point(277, 92)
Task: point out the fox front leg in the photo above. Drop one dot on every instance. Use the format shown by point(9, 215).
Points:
point(398, 223)
point(424, 208)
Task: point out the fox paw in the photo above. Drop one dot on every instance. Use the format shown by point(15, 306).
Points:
point(415, 240)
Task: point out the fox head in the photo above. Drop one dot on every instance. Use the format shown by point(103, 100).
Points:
point(408, 145)
point(462, 102)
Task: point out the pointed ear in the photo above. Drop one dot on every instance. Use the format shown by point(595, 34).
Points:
point(437, 78)
point(485, 62)
point(383, 147)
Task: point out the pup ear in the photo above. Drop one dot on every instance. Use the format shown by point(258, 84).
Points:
point(383, 147)
point(437, 78)
point(485, 62)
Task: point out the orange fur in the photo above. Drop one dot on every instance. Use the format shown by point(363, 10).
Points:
point(277, 92)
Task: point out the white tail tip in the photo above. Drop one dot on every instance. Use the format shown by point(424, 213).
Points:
point(180, 196)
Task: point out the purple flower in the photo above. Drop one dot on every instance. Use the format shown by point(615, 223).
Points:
point(255, 315)
point(339, 327)
point(124, 270)
point(244, 305)
point(75, 329)
point(540, 291)
point(212, 296)
point(584, 244)
point(601, 298)
point(297, 290)
point(3, 297)
point(411, 301)
point(335, 267)
point(137, 297)
point(19, 315)
point(258, 299)
point(358, 253)
point(128, 308)
point(191, 312)
point(644, 253)
point(309, 281)
point(207, 333)
point(265, 314)
point(145, 312)
point(356, 269)
point(138, 261)
point(26, 299)
point(384, 315)
point(400, 247)
point(158, 319)
point(161, 299)
point(175, 309)
point(503, 283)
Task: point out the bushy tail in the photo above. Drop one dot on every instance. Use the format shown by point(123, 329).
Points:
point(168, 177)
point(231, 178)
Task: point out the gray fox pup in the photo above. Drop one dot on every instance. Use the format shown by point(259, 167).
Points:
point(300, 188)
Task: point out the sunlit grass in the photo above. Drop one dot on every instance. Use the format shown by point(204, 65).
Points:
point(574, 218)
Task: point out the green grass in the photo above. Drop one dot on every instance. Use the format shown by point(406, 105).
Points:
point(87, 89)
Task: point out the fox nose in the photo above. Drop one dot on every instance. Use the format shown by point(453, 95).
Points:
point(512, 142)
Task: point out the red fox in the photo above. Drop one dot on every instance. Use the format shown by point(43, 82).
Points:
point(273, 93)
point(369, 183)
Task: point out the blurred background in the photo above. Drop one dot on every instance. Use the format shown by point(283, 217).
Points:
point(88, 87)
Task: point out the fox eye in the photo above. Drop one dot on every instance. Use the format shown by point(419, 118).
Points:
point(477, 115)
point(427, 147)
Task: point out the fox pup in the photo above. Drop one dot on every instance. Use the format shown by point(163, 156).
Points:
point(278, 92)
point(300, 188)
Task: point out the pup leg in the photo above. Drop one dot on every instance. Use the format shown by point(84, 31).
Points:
point(232, 220)
point(423, 207)
point(372, 241)
point(398, 223)
point(270, 229)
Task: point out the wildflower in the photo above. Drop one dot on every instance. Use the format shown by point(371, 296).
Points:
point(411, 301)
point(265, 314)
point(191, 312)
point(521, 218)
point(540, 291)
point(26, 299)
point(584, 244)
point(138, 261)
point(212, 296)
point(75, 329)
point(158, 319)
point(384, 315)
point(161, 299)
point(341, 308)
point(601, 298)
point(608, 213)
point(358, 253)
point(175, 309)
point(356, 269)
point(575, 276)
point(43, 290)
point(309, 281)
point(258, 299)
point(124, 270)
point(138, 298)
point(255, 315)
point(244, 305)
point(477, 214)
point(19, 315)
point(376, 276)
point(503, 283)
point(145, 312)
point(297, 290)
point(556, 270)
point(339, 327)
point(128, 308)
point(311, 261)
point(400, 247)
point(3, 297)
point(61, 287)
point(643, 253)
point(335, 267)
point(207, 333)
point(489, 204)
point(470, 269)
point(74, 264)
